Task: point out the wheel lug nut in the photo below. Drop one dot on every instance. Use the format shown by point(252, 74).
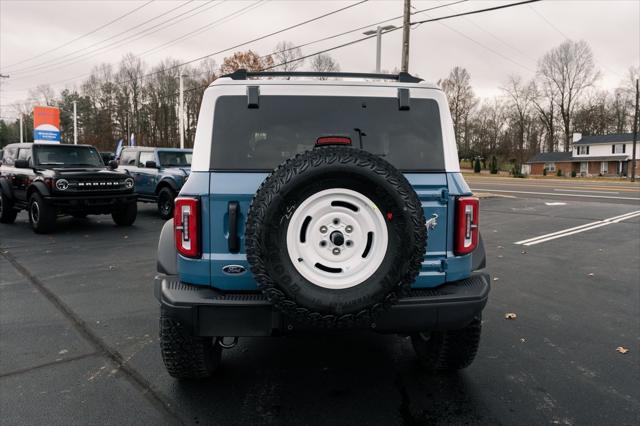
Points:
point(336, 251)
point(349, 243)
point(323, 229)
point(348, 229)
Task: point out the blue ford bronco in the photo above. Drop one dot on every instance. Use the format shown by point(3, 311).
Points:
point(321, 205)
point(159, 174)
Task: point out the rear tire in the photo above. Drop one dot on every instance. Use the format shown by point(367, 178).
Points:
point(165, 203)
point(7, 212)
point(125, 216)
point(42, 216)
point(448, 350)
point(186, 356)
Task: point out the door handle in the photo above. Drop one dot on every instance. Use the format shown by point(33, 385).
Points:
point(234, 239)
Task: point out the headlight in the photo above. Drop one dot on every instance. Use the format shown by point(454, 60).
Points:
point(128, 183)
point(62, 184)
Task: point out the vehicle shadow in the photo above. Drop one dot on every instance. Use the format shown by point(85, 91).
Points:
point(350, 378)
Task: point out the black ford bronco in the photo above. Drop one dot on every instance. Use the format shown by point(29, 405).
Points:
point(52, 179)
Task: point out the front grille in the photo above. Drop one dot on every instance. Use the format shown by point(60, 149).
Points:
point(97, 184)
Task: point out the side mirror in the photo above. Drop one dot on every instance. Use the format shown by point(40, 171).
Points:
point(21, 164)
point(113, 164)
point(151, 165)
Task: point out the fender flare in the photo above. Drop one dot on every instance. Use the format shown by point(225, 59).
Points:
point(167, 182)
point(40, 187)
point(167, 254)
point(5, 188)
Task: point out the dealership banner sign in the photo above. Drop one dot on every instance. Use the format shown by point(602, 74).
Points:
point(46, 124)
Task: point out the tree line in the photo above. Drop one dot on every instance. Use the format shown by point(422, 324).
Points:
point(539, 115)
point(114, 102)
point(529, 117)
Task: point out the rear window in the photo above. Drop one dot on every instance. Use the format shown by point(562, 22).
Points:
point(262, 138)
point(175, 158)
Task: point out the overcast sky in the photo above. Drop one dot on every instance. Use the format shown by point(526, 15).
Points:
point(37, 37)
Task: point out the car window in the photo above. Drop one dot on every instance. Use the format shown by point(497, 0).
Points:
point(9, 156)
point(25, 154)
point(262, 138)
point(175, 158)
point(60, 155)
point(128, 158)
point(146, 156)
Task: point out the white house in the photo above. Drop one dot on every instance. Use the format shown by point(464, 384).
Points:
point(598, 155)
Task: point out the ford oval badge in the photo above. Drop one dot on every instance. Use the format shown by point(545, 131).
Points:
point(233, 269)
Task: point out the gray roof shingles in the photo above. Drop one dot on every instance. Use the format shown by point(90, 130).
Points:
point(612, 138)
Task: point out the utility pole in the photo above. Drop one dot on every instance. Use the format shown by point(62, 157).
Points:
point(21, 133)
point(75, 123)
point(378, 32)
point(405, 36)
point(181, 112)
point(635, 138)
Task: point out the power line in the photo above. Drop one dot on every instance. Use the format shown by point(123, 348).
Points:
point(95, 30)
point(363, 27)
point(207, 27)
point(237, 45)
point(250, 41)
point(213, 24)
point(173, 21)
point(473, 12)
point(495, 52)
point(61, 59)
point(565, 37)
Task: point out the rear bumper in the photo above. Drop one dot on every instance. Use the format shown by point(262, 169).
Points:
point(208, 312)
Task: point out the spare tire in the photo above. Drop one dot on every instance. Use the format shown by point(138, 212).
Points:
point(334, 236)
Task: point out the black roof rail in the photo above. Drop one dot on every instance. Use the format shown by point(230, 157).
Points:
point(243, 74)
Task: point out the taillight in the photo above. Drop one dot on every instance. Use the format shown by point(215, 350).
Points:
point(186, 225)
point(467, 232)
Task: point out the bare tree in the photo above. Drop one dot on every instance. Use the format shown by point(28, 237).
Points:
point(520, 102)
point(43, 94)
point(324, 63)
point(543, 96)
point(287, 56)
point(570, 69)
point(457, 88)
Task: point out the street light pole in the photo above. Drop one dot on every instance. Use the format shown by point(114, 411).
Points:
point(378, 32)
point(635, 138)
point(21, 133)
point(75, 123)
point(181, 112)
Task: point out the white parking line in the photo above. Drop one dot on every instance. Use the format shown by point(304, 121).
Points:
point(578, 229)
point(593, 192)
point(557, 195)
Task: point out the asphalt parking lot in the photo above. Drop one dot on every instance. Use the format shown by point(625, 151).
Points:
point(79, 334)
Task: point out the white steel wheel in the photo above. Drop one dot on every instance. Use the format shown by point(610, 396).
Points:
point(337, 238)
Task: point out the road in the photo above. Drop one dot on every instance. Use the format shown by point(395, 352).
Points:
point(607, 191)
point(79, 335)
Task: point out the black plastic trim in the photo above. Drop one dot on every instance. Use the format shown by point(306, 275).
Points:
point(206, 311)
point(243, 74)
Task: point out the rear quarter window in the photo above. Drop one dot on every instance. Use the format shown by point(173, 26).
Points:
point(260, 139)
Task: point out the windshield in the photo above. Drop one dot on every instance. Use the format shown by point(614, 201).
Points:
point(175, 158)
point(67, 156)
point(260, 139)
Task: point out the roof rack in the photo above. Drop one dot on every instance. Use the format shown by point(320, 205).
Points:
point(243, 74)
